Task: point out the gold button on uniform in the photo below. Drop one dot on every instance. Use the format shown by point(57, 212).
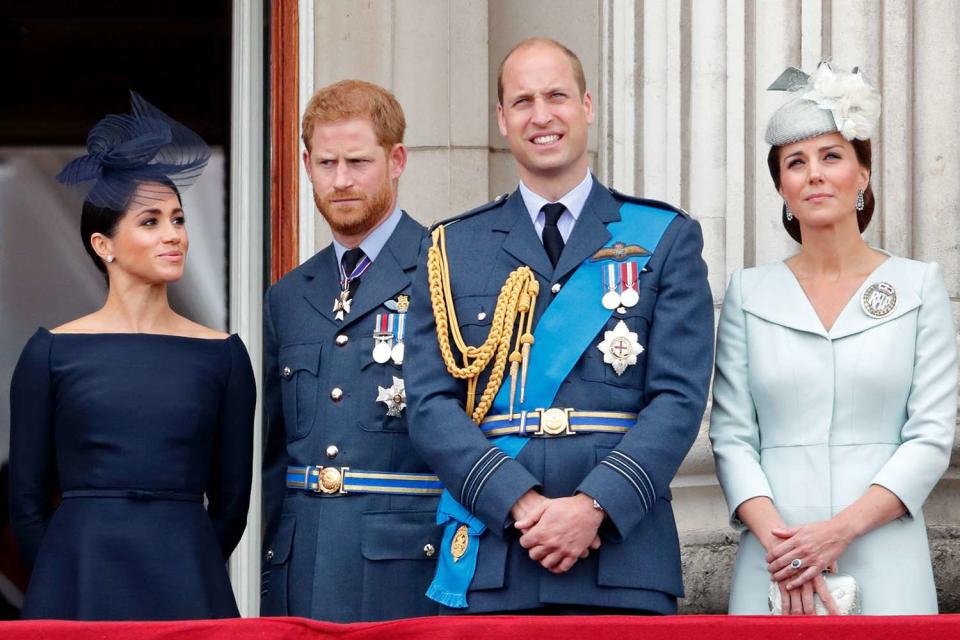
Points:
point(429, 550)
point(336, 393)
point(341, 340)
point(286, 372)
point(555, 288)
point(332, 451)
point(481, 315)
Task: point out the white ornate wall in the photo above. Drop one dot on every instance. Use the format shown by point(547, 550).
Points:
point(680, 88)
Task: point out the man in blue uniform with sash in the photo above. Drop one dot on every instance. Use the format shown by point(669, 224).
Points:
point(350, 506)
point(561, 341)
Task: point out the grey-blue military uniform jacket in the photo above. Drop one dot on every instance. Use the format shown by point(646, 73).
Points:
point(638, 564)
point(351, 557)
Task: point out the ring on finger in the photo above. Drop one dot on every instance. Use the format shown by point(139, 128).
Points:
point(796, 563)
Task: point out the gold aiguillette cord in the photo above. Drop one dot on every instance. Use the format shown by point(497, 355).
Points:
point(515, 307)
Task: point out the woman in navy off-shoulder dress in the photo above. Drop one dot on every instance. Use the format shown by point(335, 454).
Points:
point(135, 414)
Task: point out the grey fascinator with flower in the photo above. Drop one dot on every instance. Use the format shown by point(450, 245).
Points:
point(143, 148)
point(829, 100)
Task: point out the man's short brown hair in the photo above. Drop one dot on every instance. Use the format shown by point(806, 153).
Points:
point(550, 42)
point(349, 99)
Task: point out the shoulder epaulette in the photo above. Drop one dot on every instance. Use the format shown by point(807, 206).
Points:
point(649, 202)
point(493, 204)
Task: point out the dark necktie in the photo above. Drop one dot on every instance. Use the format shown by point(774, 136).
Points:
point(552, 240)
point(349, 261)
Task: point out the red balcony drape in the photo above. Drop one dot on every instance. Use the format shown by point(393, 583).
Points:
point(943, 627)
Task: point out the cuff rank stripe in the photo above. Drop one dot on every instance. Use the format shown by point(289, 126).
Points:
point(492, 452)
point(476, 494)
point(642, 475)
point(479, 475)
point(614, 465)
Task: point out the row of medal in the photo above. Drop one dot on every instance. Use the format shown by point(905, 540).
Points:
point(388, 338)
point(621, 291)
point(388, 333)
point(620, 287)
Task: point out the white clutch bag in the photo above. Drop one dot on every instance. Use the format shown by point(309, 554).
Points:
point(843, 588)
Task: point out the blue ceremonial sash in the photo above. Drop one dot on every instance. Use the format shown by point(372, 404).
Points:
point(562, 335)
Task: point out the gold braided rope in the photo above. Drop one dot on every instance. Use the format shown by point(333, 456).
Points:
point(517, 298)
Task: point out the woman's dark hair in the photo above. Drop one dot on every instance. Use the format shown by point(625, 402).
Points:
point(104, 220)
point(94, 219)
point(864, 157)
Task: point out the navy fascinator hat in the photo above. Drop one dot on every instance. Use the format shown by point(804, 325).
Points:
point(127, 151)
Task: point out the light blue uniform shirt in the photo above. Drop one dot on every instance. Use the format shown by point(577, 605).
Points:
point(573, 200)
point(375, 241)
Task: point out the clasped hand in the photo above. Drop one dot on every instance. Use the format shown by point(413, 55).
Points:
point(817, 546)
point(557, 531)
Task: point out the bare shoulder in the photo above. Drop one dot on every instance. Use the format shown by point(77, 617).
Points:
point(191, 329)
point(92, 323)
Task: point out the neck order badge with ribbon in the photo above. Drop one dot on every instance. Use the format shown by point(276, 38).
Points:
point(563, 333)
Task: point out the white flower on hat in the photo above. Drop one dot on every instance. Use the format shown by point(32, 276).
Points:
point(855, 105)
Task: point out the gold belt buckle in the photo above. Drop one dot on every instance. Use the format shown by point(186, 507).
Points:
point(330, 479)
point(554, 422)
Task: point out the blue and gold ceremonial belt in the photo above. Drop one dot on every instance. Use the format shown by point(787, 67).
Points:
point(556, 422)
point(344, 480)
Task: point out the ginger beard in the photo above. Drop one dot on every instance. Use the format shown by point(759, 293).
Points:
point(359, 212)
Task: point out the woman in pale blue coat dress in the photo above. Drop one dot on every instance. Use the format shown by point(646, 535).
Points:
point(836, 378)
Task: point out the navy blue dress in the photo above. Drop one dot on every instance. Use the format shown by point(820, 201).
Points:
point(134, 430)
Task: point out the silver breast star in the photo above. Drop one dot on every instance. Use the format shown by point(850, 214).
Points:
point(394, 397)
point(620, 348)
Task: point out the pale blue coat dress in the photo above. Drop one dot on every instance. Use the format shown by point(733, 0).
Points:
point(811, 418)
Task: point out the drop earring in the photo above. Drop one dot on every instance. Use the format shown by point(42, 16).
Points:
point(860, 202)
point(786, 210)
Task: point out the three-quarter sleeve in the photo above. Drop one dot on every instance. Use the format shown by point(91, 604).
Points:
point(33, 471)
point(228, 494)
point(734, 430)
point(927, 435)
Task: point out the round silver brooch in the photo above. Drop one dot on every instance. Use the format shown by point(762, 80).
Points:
point(879, 300)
